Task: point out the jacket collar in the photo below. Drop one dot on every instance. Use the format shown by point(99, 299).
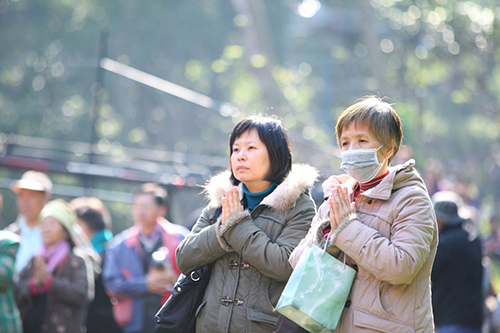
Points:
point(399, 176)
point(133, 237)
point(282, 199)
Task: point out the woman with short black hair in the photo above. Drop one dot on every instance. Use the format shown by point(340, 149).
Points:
point(265, 209)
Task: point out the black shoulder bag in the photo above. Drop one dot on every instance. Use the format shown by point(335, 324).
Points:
point(177, 315)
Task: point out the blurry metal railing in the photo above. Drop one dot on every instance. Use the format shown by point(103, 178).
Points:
point(164, 167)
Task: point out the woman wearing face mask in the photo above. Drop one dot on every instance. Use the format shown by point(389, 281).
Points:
point(265, 210)
point(382, 219)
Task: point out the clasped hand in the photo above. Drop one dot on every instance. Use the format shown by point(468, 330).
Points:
point(340, 206)
point(160, 281)
point(40, 271)
point(230, 204)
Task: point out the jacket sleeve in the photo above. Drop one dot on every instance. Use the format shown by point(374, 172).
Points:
point(114, 278)
point(396, 260)
point(309, 239)
point(201, 246)
point(77, 289)
point(7, 265)
point(255, 246)
point(315, 235)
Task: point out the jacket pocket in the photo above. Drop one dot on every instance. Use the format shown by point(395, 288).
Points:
point(200, 307)
point(383, 298)
point(261, 316)
point(373, 322)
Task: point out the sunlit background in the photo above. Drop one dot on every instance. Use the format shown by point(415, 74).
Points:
point(104, 95)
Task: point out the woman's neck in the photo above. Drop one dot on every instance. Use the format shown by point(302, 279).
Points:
point(383, 170)
point(254, 199)
point(257, 186)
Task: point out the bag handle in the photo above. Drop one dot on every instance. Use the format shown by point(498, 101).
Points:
point(326, 245)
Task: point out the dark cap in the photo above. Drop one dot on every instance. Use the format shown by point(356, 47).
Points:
point(446, 205)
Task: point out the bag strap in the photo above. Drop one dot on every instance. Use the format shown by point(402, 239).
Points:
point(326, 242)
point(216, 215)
point(326, 245)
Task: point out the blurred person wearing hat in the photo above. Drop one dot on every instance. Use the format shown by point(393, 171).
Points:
point(140, 266)
point(57, 284)
point(32, 191)
point(457, 274)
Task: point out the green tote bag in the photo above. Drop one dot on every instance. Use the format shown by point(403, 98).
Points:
point(315, 295)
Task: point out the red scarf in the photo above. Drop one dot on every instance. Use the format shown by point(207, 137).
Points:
point(366, 186)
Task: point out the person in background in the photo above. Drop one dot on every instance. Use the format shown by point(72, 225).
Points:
point(140, 268)
point(9, 314)
point(491, 244)
point(57, 284)
point(260, 208)
point(32, 191)
point(100, 314)
point(457, 275)
point(91, 222)
point(381, 217)
point(94, 203)
point(162, 198)
point(83, 238)
point(3, 221)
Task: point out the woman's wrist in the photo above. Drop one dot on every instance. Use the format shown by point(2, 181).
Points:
point(342, 225)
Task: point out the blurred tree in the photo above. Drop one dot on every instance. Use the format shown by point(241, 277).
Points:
point(304, 60)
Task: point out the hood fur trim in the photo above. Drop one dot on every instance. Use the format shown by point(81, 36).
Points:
point(282, 199)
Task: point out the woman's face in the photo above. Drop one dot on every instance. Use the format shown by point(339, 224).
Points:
point(52, 231)
point(361, 136)
point(250, 161)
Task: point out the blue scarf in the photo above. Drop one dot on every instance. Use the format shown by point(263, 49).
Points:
point(100, 239)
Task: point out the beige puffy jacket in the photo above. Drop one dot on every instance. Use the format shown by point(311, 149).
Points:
point(392, 243)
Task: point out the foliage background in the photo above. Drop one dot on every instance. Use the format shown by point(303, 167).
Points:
point(436, 60)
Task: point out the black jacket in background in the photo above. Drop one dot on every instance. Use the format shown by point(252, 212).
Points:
point(457, 279)
point(100, 312)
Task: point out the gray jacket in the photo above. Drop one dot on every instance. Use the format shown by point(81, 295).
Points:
point(249, 253)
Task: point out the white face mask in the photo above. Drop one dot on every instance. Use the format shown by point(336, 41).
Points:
point(361, 164)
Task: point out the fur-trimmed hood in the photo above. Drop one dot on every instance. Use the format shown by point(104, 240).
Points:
point(282, 199)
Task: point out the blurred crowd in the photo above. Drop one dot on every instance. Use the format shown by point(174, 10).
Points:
point(61, 269)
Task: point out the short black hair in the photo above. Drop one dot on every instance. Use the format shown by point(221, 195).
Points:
point(159, 193)
point(275, 137)
point(91, 217)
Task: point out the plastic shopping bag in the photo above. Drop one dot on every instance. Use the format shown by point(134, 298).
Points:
point(317, 290)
